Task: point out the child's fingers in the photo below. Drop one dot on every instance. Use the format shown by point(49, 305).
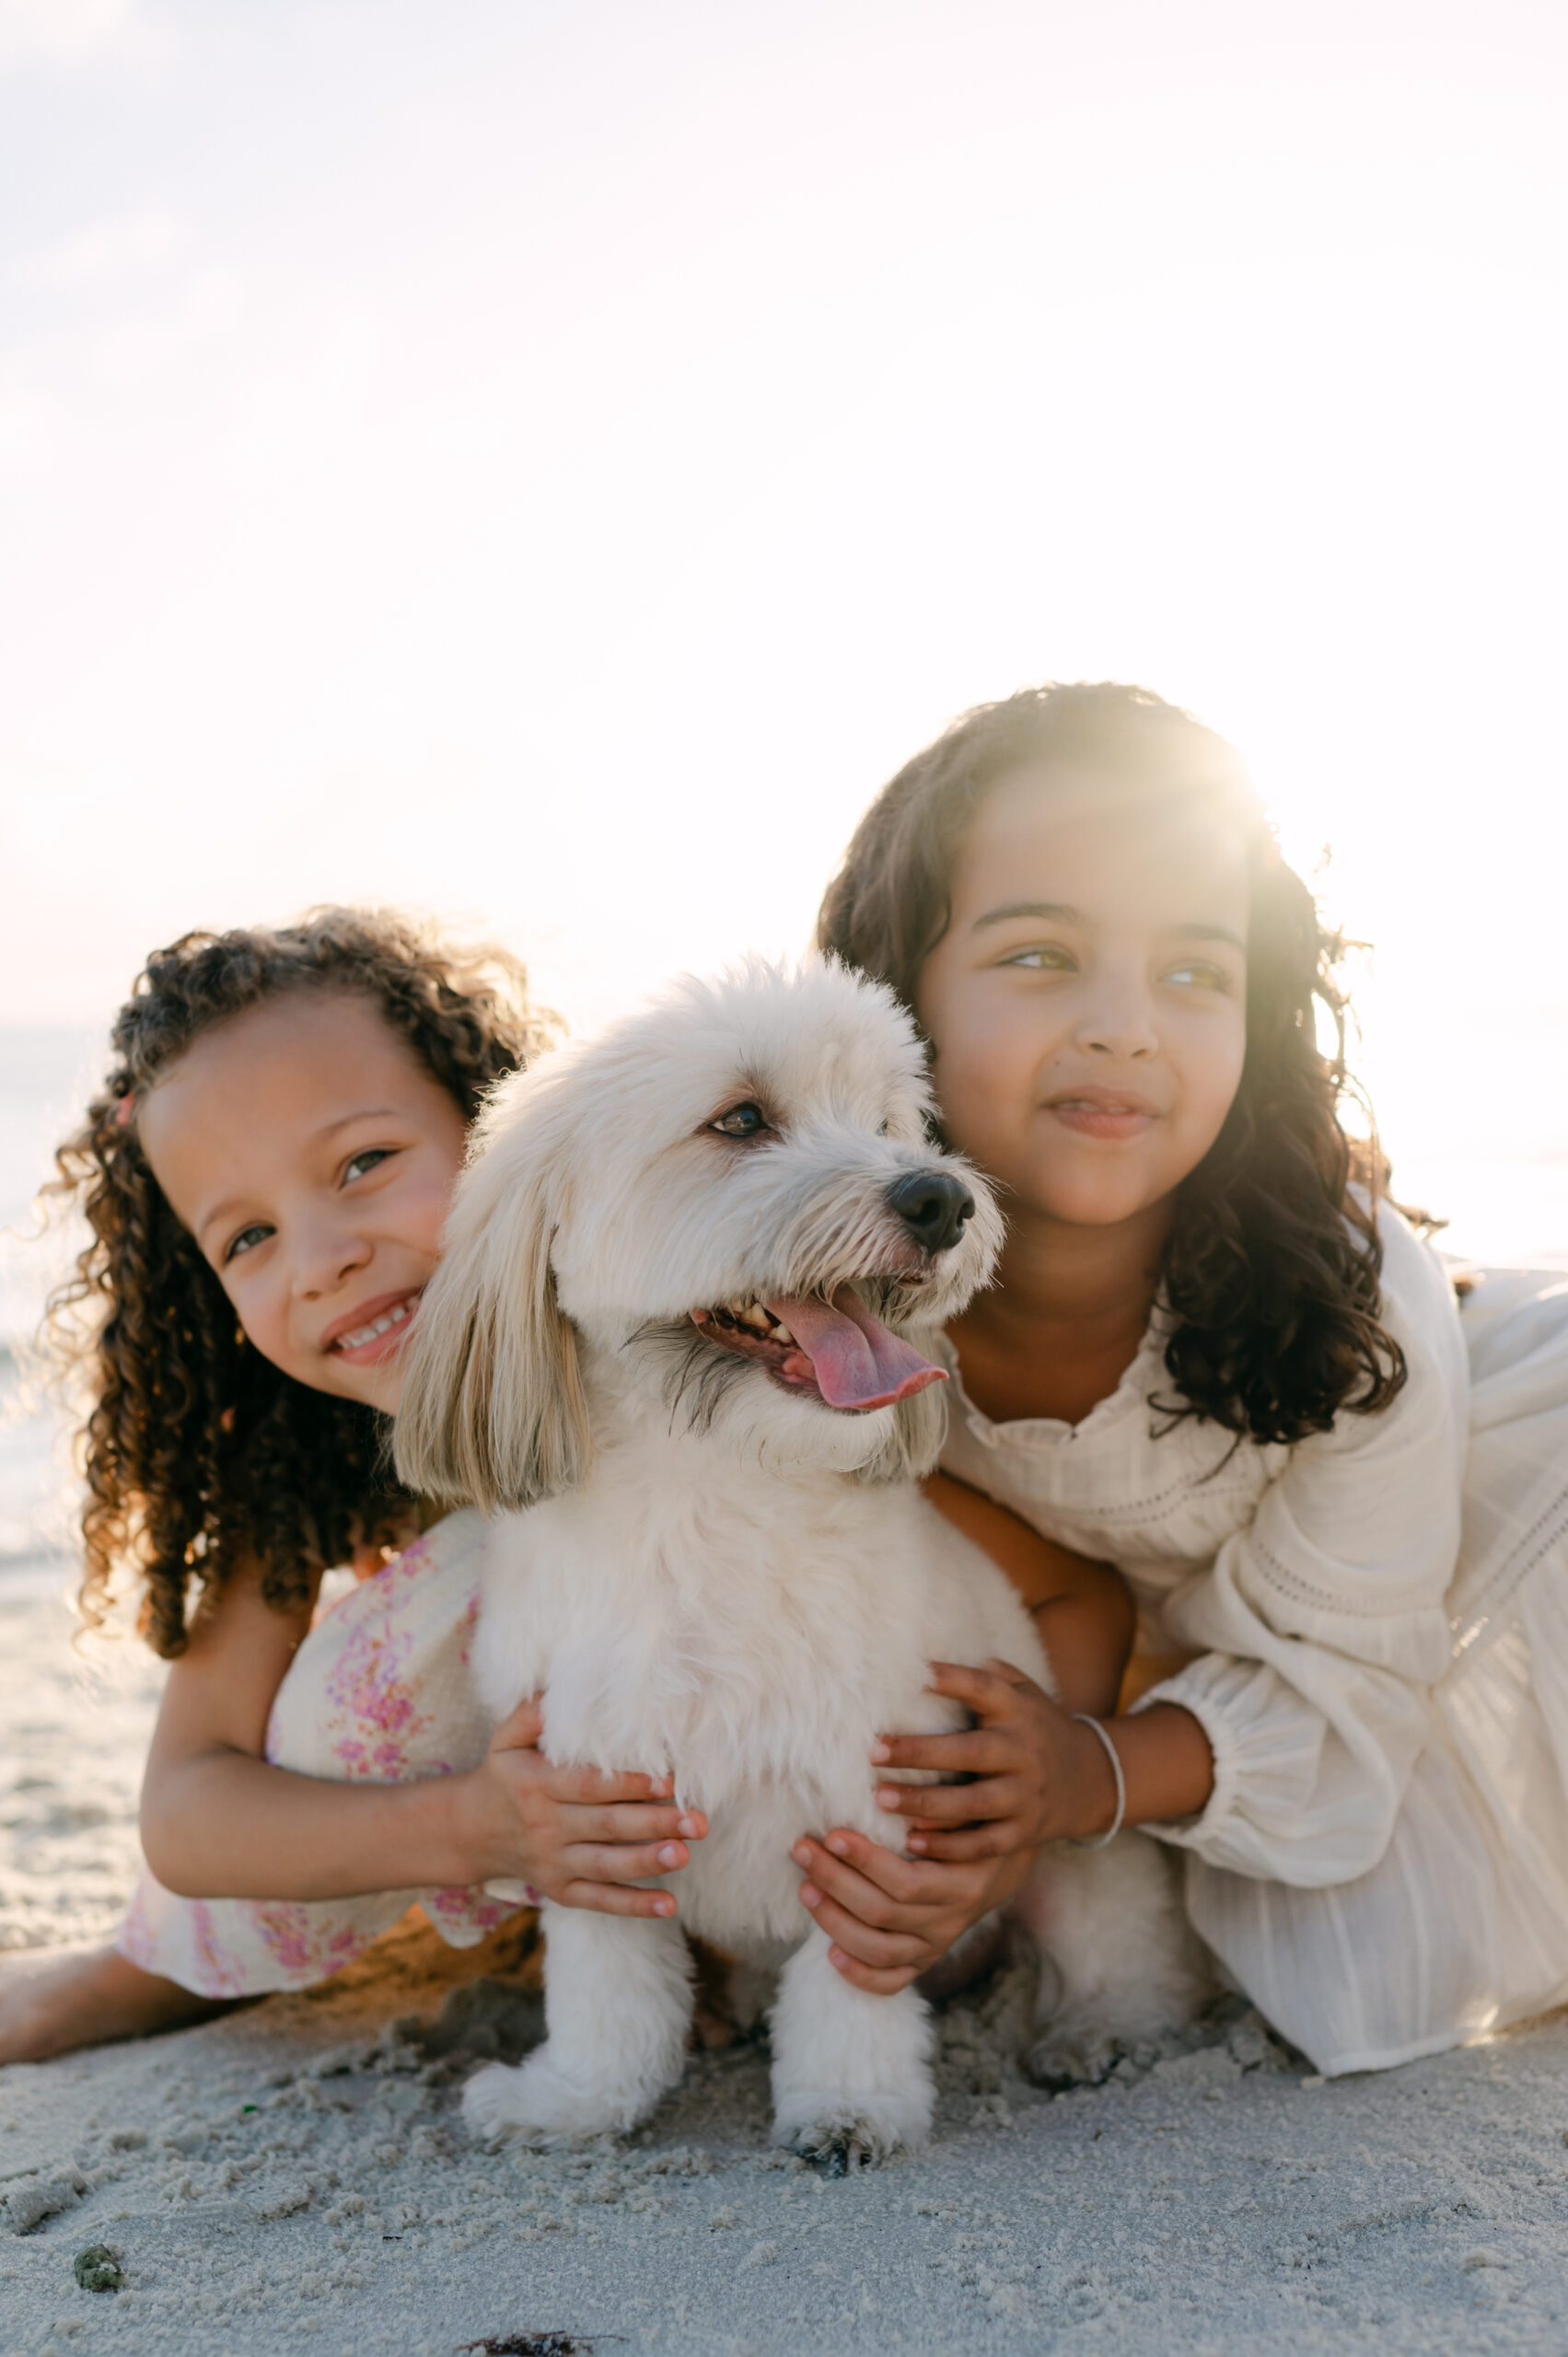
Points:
point(900, 1910)
point(972, 1751)
point(594, 1786)
point(966, 1843)
point(625, 1861)
point(642, 1821)
point(963, 1752)
point(991, 1692)
point(875, 1984)
point(947, 1754)
point(884, 1950)
point(522, 1728)
point(612, 1898)
point(951, 1803)
point(900, 1876)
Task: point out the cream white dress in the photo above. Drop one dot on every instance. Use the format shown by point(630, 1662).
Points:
point(1374, 1622)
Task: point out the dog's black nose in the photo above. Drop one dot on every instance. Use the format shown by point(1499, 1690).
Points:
point(933, 1206)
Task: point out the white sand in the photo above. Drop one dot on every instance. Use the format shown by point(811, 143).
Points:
point(296, 2176)
point(73, 1730)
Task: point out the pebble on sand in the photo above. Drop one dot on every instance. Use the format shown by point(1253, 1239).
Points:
point(97, 2268)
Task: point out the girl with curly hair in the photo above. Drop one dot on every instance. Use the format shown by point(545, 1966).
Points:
point(264, 1176)
point(1218, 1357)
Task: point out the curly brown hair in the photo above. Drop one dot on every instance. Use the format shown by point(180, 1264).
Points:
point(198, 1453)
point(1271, 1270)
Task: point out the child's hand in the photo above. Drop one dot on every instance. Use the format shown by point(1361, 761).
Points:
point(1034, 1773)
point(574, 1835)
point(890, 1918)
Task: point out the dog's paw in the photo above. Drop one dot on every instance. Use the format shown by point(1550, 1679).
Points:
point(539, 2105)
point(1064, 2059)
point(840, 2135)
point(844, 2154)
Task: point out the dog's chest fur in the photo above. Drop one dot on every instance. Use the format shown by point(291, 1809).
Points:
point(747, 1630)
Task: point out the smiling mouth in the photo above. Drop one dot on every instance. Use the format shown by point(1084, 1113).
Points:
point(1101, 1100)
point(835, 1351)
point(1103, 1115)
point(359, 1337)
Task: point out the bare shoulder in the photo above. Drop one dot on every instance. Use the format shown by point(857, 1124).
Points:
point(221, 1688)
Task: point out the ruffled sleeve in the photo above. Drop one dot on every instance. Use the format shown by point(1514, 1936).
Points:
point(1322, 1624)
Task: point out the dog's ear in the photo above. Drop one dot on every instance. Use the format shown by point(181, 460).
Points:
point(920, 1426)
point(493, 1410)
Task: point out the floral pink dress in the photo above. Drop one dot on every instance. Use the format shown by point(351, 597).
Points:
point(379, 1693)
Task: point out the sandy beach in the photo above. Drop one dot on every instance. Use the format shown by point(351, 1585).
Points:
point(544, 468)
point(297, 2176)
point(297, 2173)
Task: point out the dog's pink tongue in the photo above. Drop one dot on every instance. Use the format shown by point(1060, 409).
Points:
point(857, 1363)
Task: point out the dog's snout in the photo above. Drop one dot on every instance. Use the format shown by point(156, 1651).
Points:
point(933, 1206)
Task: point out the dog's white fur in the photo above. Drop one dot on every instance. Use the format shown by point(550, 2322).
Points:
point(716, 1578)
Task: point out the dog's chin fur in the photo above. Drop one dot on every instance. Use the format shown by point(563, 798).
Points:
point(705, 1390)
point(710, 1581)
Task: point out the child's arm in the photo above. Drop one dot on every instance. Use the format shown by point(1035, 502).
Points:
point(220, 1822)
point(1083, 1611)
point(1038, 1774)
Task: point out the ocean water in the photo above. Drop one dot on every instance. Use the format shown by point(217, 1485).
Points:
point(75, 1711)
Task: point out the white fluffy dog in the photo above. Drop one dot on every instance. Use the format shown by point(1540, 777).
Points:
point(671, 1322)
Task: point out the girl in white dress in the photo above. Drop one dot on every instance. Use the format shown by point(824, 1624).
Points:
point(1218, 1357)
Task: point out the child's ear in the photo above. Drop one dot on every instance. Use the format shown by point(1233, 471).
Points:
point(492, 1411)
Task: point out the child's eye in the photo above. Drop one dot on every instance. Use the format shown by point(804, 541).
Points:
point(1198, 971)
point(1041, 958)
point(366, 1161)
point(246, 1241)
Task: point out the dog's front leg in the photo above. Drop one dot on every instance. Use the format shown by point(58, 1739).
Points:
point(852, 2072)
point(617, 2008)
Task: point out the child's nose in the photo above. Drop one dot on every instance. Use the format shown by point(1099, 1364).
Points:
point(1120, 1023)
point(325, 1257)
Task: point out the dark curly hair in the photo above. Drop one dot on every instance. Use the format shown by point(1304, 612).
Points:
point(1271, 1270)
point(196, 1450)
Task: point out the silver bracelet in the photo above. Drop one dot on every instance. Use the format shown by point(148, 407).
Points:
point(1098, 1841)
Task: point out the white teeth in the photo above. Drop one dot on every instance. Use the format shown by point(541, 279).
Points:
point(388, 1318)
point(755, 1315)
point(737, 1305)
point(780, 1331)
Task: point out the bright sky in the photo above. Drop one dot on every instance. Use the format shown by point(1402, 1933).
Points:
point(552, 459)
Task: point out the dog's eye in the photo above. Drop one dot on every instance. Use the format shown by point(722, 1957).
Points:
point(741, 1122)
